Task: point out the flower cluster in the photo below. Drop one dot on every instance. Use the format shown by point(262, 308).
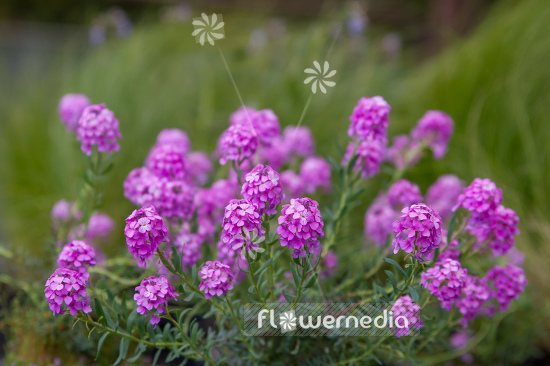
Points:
point(172, 199)
point(404, 193)
point(154, 293)
point(262, 187)
point(371, 154)
point(404, 307)
point(506, 284)
point(69, 287)
point(474, 296)
point(445, 281)
point(264, 122)
point(198, 167)
point(98, 126)
point(298, 140)
point(216, 279)
point(418, 231)
point(293, 184)
point(379, 220)
point(443, 194)
point(481, 197)
point(241, 223)
point(176, 138)
point(315, 172)
point(189, 246)
point(300, 224)
point(329, 264)
point(434, 129)
point(64, 211)
point(167, 161)
point(78, 256)
point(145, 230)
point(99, 226)
point(238, 142)
point(70, 110)
point(370, 118)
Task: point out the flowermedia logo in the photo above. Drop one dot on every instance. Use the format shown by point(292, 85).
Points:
point(327, 319)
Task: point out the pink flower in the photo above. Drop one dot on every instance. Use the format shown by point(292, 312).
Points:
point(315, 173)
point(70, 110)
point(371, 154)
point(154, 293)
point(276, 154)
point(404, 193)
point(403, 153)
point(265, 122)
point(237, 143)
point(78, 256)
point(166, 161)
point(98, 126)
point(198, 166)
point(406, 315)
point(176, 138)
point(506, 284)
point(293, 185)
point(173, 199)
point(299, 141)
point(189, 245)
point(482, 196)
point(99, 226)
point(497, 229)
point(144, 232)
point(443, 194)
point(370, 119)
point(138, 186)
point(262, 187)
point(445, 281)
point(379, 220)
point(69, 287)
point(216, 279)
point(434, 129)
point(241, 224)
point(475, 295)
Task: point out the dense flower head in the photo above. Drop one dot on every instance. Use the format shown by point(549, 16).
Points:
point(98, 126)
point(275, 155)
point(443, 194)
point(434, 129)
point(299, 141)
point(418, 231)
point(198, 167)
point(238, 142)
point(379, 220)
point(189, 246)
point(266, 124)
point(216, 279)
point(497, 229)
point(404, 193)
point(404, 307)
point(371, 155)
point(172, 199)
point(472, 302)
point(144, 232)
point(445, 281)
point(154, 293)
point(370, 118)
point(300, 224)
point(482, 196)
point(78, 256)
point(176, 138)
point(262, 187)
point(70, 109)
point(138, 186)
point(99, 226)
point(403, 153)
point(69, 287)
point(241, 223)
point(166, 161)
point(293, 184)
point(63, 211)
point(315, 173)
point(242, 116)
point(506, 284)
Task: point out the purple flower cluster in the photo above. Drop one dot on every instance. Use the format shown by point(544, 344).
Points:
point(506, 284)
point(379, 220)
point(300, 224)
point(418, 231)
point(442, 196)
point(370, 118)
point(265, 122)
point(167, 161)
point(64, 211)
point(482, 197)
point(403, 193)
point(145, 230)
point(78, 256)
point(240, 223)
point(315, 172)
point(189, 246)
point(238, 142)
point(216, 279)
point(498, 229)
point(329, 264)
point(70, 109)
point(173, 199)
point(69, 287)
point(198, 167)
point(99, 226)
point(371, 154)
point(262, 187)
point(98, 126)
point(176, 138)
point(298, 140)
point(154, 293)
point(445, 281)
point(434, 129)
point(475, 295)
point(404, 307)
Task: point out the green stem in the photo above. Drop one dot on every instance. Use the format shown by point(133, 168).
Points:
point(302, 279)
point(238, 324)
point(253, 277)
point(364, 355)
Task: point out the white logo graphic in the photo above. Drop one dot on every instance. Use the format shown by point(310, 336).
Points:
point(208, 29)
point(319, 77)
point(288, 321)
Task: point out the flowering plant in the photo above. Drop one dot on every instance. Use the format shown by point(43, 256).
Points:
point(442, 262)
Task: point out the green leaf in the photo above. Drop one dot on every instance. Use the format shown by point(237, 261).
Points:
point(289, 297)
point(396, 265)
point(166, 333)
point(122, 351)
point(391, 278)
point(310, 281)
point(156, 358)
point(264, 266)
point(99, 311)
point(295, 275)
point(414, 294)
point(251, 289)
point(130, 322)
point(100, 344)
point(139, 351)
point(141, 327)
point(176, 260)
point(351, 163)
point(451, 228)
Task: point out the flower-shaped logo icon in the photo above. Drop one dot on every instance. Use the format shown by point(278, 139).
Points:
point(288, 321)
point(208, 29)
point(319, 77)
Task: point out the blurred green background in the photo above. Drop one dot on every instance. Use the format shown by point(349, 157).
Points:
point(483, 62)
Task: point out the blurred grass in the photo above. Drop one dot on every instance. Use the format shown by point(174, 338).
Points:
point(495, 85)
